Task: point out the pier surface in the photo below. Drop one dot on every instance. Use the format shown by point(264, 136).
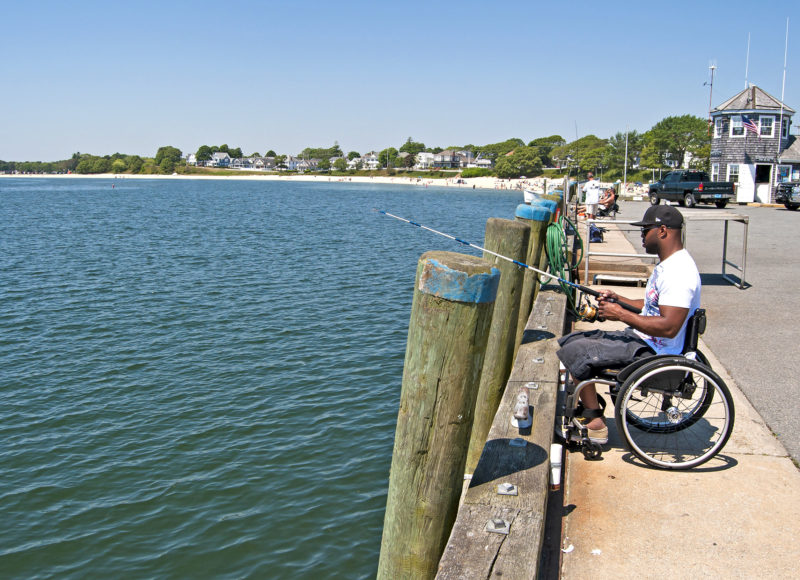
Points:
point(733, 517)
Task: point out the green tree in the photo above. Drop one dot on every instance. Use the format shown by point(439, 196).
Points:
point(270, 153)
point(524, 161)
point(495, 150)
point(101, 165)
point(324, 164)
point(545, 146)
point(203, 153)
point(412, 147)
point(614, 159)
point(410, 160)
point(340, 164)
point(118, 166)
point(321, 152)
point(235, 153)
point(673, 137)
point(352, 155)
point(280, 161)
point(172, 154)
point(135, 163)
point(587, 153)
point(388, 156)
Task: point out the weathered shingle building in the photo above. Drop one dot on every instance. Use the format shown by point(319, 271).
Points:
point(751, 144)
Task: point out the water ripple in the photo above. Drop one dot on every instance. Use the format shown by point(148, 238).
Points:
point(201, 379)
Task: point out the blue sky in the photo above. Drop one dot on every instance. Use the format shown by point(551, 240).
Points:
point(101, 77)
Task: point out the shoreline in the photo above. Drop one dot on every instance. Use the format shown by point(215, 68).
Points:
point(492, 183)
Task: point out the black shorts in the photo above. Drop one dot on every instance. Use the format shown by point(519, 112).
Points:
point(586, 353)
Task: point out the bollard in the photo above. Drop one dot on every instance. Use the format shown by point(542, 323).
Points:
point(549, 204)
point(537, 217)
point(508, 238)
point(450, 319)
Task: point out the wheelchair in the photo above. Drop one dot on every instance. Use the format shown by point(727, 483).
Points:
point(611, 211)
point(672, 411)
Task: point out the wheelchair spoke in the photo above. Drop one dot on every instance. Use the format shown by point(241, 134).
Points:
point(667, 429)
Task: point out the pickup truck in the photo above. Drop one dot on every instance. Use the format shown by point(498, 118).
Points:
point(689, 188)
point(789, 194)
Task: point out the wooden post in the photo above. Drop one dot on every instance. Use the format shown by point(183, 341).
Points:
point(450, 318)
point(549, 204)
point(537, 217)
point(508, 238)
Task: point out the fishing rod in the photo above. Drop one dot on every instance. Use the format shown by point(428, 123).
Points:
point(580, 287)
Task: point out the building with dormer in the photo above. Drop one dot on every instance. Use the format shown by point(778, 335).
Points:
point(751, 144)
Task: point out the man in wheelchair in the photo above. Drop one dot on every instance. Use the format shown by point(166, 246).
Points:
point(671, 297)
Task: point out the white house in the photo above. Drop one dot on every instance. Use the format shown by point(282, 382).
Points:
point(370, 161)
point(424, 160)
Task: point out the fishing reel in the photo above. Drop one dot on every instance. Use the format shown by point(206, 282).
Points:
point(588, 311)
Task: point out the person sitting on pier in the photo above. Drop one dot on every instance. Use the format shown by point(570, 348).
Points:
point(608, 202)
point(671, 297)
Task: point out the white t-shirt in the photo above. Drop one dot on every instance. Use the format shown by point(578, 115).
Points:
point(674, 282)
point(592, 190)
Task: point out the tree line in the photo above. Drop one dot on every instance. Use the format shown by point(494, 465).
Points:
point(665, 144)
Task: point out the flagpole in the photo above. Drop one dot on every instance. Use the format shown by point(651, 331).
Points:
point(783, 88)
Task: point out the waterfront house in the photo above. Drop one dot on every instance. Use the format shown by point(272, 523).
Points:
point(424, 160)
point(480, 162)
point(264, 163)
point(445, 159)
point(370, 161)
point(291, 162)
point(219, 159)
point(191, 159)
point(751, 144)
point(307, 165)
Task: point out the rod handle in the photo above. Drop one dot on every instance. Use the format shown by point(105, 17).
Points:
point(596, 294)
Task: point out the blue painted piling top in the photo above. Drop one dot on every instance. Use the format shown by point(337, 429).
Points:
point(548, 203)
point(476, 285)
point(535, 212)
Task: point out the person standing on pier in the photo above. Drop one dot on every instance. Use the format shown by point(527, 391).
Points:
point(591, 190)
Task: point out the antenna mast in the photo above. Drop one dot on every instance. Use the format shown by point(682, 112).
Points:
point(747, 61)
point(712, 67)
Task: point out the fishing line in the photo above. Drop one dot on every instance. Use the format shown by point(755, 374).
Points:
point(562, 281)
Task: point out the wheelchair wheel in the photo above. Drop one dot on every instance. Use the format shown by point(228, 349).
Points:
point(692, 408)
point(674, 413)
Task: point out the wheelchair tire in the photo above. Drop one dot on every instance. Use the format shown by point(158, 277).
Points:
point(674, 413)
point(689, 415)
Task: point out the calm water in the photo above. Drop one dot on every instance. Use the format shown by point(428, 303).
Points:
point(201, 378)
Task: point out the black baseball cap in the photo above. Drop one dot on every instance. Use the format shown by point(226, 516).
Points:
point(661, 215)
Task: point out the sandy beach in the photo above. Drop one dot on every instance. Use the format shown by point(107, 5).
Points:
point(468, 183)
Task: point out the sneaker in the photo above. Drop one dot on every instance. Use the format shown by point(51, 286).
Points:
point(599, 436)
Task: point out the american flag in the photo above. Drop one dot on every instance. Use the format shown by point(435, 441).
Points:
point(750, 125)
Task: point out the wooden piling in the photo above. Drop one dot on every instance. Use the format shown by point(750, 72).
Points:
point(508, 238)
point(450, 319)
point(538, 218)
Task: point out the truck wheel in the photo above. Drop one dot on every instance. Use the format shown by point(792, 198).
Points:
point(721, 204)
point(654, 199)
point(689, 200)
point(791, 206)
